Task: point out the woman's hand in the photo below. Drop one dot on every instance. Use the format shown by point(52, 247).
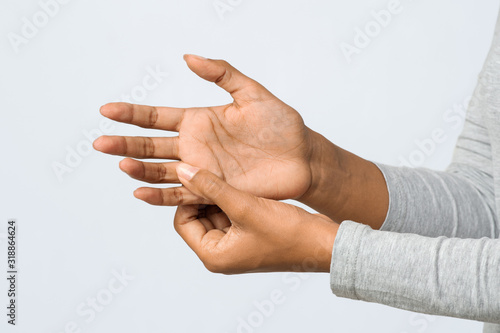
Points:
point(242, 233)
point(257, 143)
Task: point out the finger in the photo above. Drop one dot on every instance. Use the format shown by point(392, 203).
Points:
point(164, 118)
point(202, 216)
point(236, 204)
point(189, 227)
point(207, 223)
point(154, 173)
point(194, 233)
point(218, 217)
point(227, 77)
point(139, 147)
point(173, 196)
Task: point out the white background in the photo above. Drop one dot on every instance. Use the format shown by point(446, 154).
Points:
point(76, 230)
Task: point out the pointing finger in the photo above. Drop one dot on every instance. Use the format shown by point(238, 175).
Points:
point(164, 118)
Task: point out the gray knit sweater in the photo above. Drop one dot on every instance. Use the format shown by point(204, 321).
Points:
point(438, 251)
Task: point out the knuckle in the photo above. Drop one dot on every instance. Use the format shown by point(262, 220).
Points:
point(178, 196)
point(225, 76)
point(253, 91)
point(142, 173)
point(212, 186)
point(212, 267)
point(153, 117)
point(223, 63)
point(214, 259)
point(149, 147)
point(217, 265)
point(242, 210)
point(177, 224)
point(163, 199)
point(162, 172)
point(123, 144)
point(130, 111)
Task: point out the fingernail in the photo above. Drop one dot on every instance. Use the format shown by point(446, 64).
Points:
point(186, 171)
point(197, 56)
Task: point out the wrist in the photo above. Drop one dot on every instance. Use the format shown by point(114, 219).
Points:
point(330, 178)
point(318, 239)
point(345, 186)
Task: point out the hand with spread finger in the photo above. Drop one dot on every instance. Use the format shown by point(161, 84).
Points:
point(257, 143)
point(243, 233)
point(253, 143)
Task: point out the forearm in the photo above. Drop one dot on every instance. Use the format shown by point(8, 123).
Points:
point(457, 203)
point(345, 186)
point(441, 276)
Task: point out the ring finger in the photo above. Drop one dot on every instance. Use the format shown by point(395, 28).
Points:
point(154, 173)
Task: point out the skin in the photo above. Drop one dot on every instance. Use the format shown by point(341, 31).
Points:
point(243, 233)
point(256, 144)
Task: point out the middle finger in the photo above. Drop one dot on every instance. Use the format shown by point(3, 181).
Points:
point(139, 147)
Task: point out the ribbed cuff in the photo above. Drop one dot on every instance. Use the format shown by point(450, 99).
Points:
point(394, 178)
point(343, 268)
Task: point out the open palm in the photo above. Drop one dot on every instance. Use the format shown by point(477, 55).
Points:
point(257, 143)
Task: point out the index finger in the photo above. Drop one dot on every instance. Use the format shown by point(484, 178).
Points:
point(201, 240)
point(163, 118)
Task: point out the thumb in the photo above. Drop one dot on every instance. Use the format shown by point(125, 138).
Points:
point(235, 203)
point(226, 76)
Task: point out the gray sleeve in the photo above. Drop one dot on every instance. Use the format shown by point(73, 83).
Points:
point(456, 273)
point(458, 202)
point(402, 266)
point(442, 276)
